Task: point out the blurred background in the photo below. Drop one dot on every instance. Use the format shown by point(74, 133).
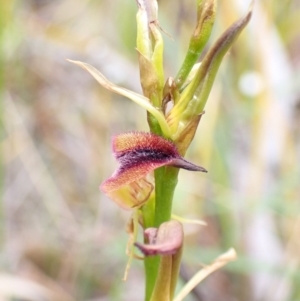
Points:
point(61, 239)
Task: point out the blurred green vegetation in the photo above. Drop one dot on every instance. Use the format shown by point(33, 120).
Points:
point(61, 234)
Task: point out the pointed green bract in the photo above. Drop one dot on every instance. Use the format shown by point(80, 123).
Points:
point(205, 20)
point(194, 97)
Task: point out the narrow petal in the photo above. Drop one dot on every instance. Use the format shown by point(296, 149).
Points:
point(137, 98)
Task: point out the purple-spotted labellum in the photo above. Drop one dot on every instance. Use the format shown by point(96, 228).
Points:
point(140, 153)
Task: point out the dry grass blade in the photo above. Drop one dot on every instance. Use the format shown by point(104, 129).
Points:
point(223, 259)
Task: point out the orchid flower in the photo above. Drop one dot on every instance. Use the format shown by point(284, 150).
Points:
point(174, 109)
point(139, 154)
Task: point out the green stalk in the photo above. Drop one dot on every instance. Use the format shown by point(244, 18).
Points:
point(165, 183)
point(151, 264)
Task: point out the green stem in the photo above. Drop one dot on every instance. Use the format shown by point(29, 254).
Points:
point(151, 264)
point(165, 183)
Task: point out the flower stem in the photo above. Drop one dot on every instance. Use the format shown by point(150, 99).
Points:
point(165, 183)
point(151, 264)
